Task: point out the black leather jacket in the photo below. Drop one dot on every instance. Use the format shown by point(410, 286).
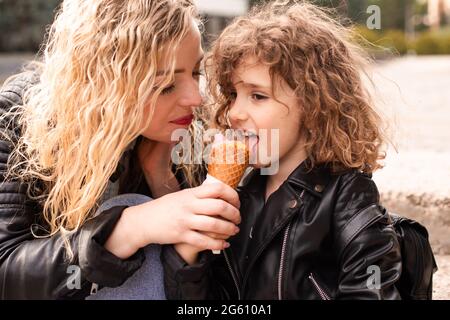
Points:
point(319, 236)
point(37, 268)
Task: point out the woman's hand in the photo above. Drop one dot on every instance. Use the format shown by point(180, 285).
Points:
point(191, 216)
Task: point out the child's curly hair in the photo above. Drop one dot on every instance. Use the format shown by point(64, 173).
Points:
point(316, 56)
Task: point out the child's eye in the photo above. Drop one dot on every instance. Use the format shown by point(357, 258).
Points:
point(233, 95)
point(168, 90)
point(258, 97)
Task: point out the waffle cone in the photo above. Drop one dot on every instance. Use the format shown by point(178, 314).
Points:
point(228, 161)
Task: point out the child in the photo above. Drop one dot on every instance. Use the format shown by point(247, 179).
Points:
point(315, 228)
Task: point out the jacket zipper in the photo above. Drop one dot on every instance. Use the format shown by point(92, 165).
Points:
point(319, 290)
point(232, 274)
point(283, 254)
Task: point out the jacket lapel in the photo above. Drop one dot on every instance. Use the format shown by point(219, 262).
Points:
point(272, 217)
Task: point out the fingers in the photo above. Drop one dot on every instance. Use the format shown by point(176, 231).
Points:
point(204, 242)
point(216, 207)
point(218, 191)
point(216, 235)
point(212, 224)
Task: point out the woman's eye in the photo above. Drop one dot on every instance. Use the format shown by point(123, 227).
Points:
point(258, 97)
point(233, 95)
point(197, 74)
point(168, 90)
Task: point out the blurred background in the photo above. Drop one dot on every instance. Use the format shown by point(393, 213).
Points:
point(411, 73)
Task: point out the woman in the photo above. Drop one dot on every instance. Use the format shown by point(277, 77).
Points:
point(94, 121)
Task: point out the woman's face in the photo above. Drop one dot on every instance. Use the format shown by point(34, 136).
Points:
point(257, 105)
point(174, 107)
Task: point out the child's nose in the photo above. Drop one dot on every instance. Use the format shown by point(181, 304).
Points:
point(237, 112)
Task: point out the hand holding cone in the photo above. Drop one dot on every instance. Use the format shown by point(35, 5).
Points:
point(227, 162)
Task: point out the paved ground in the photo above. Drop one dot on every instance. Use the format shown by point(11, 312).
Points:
point(441, 283)
point(416, 179)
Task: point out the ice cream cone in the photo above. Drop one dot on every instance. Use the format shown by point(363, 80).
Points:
point(227, 163)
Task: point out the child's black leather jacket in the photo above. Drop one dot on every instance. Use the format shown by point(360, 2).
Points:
point(319, 236)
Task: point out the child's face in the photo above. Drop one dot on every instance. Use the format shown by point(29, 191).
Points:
point(256, 105)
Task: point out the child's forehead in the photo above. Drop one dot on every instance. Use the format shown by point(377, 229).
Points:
point(251, 73)
point(255, 73)
point(248, 62)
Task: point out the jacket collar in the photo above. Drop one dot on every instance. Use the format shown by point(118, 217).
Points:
point(267, 219)
point(313, 180)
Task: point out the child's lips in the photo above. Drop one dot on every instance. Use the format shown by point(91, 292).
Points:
point(252, 142)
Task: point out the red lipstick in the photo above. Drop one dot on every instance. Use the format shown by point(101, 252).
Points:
point(184, 121)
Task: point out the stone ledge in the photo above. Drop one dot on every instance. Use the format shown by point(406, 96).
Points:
point(431, 211)
point(441, 279)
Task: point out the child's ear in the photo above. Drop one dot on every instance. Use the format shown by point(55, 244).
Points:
point(302, 115)
point(303, 130)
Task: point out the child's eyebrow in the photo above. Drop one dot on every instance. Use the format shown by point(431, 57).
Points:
point(252, 85)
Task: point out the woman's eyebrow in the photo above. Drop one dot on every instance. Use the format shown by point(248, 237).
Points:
point(163, 72)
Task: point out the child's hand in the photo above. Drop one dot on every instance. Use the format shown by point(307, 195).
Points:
point(190, 253)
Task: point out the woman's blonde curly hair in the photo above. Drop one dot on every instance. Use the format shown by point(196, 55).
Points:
point(304, 45)
point(95, 95)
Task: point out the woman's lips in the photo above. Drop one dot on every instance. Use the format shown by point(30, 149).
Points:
point(184, 120)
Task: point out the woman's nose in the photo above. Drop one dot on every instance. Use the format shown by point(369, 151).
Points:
point(192, 96)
